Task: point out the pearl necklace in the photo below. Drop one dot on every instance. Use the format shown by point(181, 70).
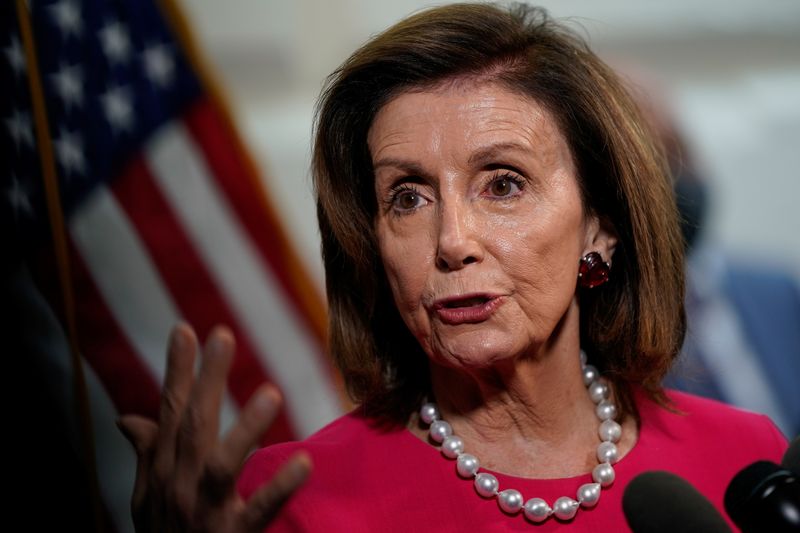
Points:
point(511, 500)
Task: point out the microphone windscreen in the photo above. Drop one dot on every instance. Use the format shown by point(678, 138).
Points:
point(744, 484)
point(791, 459)
point(764, 496)
point(657, 501)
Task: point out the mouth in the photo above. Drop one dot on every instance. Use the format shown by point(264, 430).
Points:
point(466, 308)
point(458, 302)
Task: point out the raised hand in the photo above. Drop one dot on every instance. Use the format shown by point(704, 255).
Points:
point(186, 477)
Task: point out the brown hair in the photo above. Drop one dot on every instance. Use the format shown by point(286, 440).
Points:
point(632, 327)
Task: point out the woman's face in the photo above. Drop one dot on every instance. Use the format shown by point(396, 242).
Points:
point(480, 222)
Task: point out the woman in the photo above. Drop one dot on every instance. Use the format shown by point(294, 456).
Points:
point(493, 212)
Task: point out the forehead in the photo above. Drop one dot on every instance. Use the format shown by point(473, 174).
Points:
point(465, 115)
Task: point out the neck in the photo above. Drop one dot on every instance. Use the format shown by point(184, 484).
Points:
point(529, 408)
point(536, 398)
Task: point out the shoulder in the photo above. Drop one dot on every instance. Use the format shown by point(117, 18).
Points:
point(353, 459)
point(720, 415)
point(703, 441)
point(335, 449)
point(713, 425)
point(764, 276)
point(755, 289)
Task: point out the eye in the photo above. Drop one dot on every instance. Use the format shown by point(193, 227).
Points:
point(406, 198)
point(505, 185)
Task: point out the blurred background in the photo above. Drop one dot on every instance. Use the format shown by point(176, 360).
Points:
point(729, 69)
point(725, 73)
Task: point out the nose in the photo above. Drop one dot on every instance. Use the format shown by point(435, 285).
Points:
point(459, 244)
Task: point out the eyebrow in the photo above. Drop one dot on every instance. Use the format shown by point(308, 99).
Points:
point(482, 157)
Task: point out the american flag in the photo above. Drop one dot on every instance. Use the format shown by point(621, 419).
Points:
point(165, 218)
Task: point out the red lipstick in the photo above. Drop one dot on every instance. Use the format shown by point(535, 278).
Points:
point(466, 308)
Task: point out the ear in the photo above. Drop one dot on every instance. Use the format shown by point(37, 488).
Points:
point(601, 237)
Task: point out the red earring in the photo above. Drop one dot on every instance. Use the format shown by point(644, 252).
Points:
point(593, 271)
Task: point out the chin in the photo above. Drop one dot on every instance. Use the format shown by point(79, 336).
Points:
point(477, 349)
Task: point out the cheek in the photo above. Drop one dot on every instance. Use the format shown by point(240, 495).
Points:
point(542, 259)
point(405, 259)
point(543, 246)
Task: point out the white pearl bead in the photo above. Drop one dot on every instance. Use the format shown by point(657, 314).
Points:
point(452, 446)
point(606, 410)
point(467, 465)
point(486, 484)
point(590, 374)
point(589, 494)
point(439, 430)
point(610, 431)
point(607, 452)
point(598, 391)
point(510, 501)
point(603, 474)
point(565, 508)
point(536, 510)
point(428, 413)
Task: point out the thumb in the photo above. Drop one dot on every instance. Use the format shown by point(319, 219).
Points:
point(141, 432)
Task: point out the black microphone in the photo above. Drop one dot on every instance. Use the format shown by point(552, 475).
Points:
point(764, 497)
point(657, 501)
point(791, 459)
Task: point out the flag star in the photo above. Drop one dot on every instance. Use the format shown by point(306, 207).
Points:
point(115, 42)
point(20, 128)
point(67, 16)
point(15, 56)
point(159, 65)
point(69, 152)
point(18, 197)
point(118, 108)
point(68, 82)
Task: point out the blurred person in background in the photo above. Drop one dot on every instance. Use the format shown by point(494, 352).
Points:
point(742, 343)
point(743, 316)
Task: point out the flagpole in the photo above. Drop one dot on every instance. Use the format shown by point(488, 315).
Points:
point(56, 217)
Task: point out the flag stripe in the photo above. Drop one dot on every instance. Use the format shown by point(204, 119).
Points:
point(222, 139)
point(238, 270)
point(189, 282)
point(211, 133)
point(131, 385)
point(114, 255)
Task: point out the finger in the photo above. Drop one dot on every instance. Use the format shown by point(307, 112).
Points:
point(200, 424)
point(268, 500)
point(222, 467)
point(256, 417)
point(175, 394)
point(142, 434)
